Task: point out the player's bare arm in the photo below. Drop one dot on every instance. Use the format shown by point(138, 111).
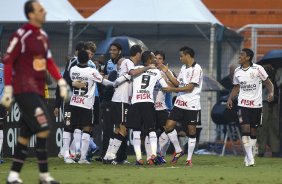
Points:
point(139, 71)
point(270, 89)
point(233, 93)
point(169, 75)
point(189, 88)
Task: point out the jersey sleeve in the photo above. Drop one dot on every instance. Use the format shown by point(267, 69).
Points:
point(196, 76)
point(96, 76)
point(235, 79)
point(262, 73)
point(52, 67)
point(13, 51)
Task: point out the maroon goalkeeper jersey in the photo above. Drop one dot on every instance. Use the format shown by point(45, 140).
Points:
point(27, 60)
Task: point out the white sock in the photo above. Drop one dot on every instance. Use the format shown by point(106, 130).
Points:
point(72, 147)
point(1, 141)
point(254, 146)
point(163, 140)
point(183, 141)
point(148, 148)
point(84, 145)
point(66, 144)
point(165, 148)
point(77, 139)
point(13, 175)
point(137, 144)
point(46, 176)
point(154, 142)
point(114, 149)
point(174, 139)
point(248, 147)
point(191, 147)
point(109, 149)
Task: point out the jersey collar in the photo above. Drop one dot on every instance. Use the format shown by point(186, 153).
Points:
point(193, 64)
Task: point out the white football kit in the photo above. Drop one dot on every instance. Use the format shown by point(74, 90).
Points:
point(84, 97)
point(123, 92)
point(190, 100)
point(250, 81)
point(143, 85)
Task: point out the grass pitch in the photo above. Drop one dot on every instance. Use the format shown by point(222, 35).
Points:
point(205, 170)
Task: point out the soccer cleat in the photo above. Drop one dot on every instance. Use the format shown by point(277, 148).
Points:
point(17, 181)
point(124, 162)
point(176, 156)
point(249, 163)
point(161, 159)
point(139, 162)
point(150, 162)
point(48, 180)
point(68, 160)
point(83, 161)
point(189, 163)
point(60, 155)
point(113, 162)
point(77, 156)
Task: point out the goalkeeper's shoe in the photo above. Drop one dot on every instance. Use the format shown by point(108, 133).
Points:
point(176, 156)
point(189, 163)
point(139, 162)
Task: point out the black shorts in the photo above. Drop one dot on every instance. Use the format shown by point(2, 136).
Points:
point(252, 116)
point(161, 118)
point(35, 116)
point(96, 111)
point(119, 112)
point(2, 116)
point(81, 117)
point(185, 117)
point(141, 115)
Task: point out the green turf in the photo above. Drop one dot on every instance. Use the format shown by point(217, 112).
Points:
point(205, 170)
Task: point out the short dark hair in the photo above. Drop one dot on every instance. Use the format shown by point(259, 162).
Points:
point(146, 55)
point(187, 50)
point(117, 45)
point(28, 8)
point(249, 53)
point(135, 49)
point(79, 46)
point(82, 57)
point(161, 53)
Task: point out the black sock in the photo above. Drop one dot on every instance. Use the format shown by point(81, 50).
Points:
point(19, 157)
point(41, 153)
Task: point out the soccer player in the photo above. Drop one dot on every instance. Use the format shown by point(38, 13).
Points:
point(82, 99)
point(187, 105)
point(68, 131)
point(121, 99)
point(247, 82)
point(141, 114)
point(163, 103)
point(25, 64)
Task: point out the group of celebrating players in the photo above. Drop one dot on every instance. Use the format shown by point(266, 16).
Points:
point(138, 101)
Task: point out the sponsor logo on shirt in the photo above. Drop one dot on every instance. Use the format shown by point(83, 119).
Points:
point(247, 87)
point(248, 102)
point(78, 99)
point(181, 103)
point(158, 104)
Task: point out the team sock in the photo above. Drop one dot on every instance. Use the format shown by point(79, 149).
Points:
point(174, 139)
point(137, 144)
point(248, 147)
point(163, 141)
point(84, 145)
point(77, 139)
point(66, 144)
point(254, 144)
point(41, 153)
point(115, 146)
point(72, 147)
point(1, 141)
point(191, 147)
point(106, 157)
point(19, 157)
point(154, 142)
point(148, 147)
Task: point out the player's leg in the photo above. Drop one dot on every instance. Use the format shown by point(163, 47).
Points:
point(148, 148)
point(163, 140)
point(176, 114)
point(192, 117)
point(244, 119)
point(76, 115)
point(86, 123)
